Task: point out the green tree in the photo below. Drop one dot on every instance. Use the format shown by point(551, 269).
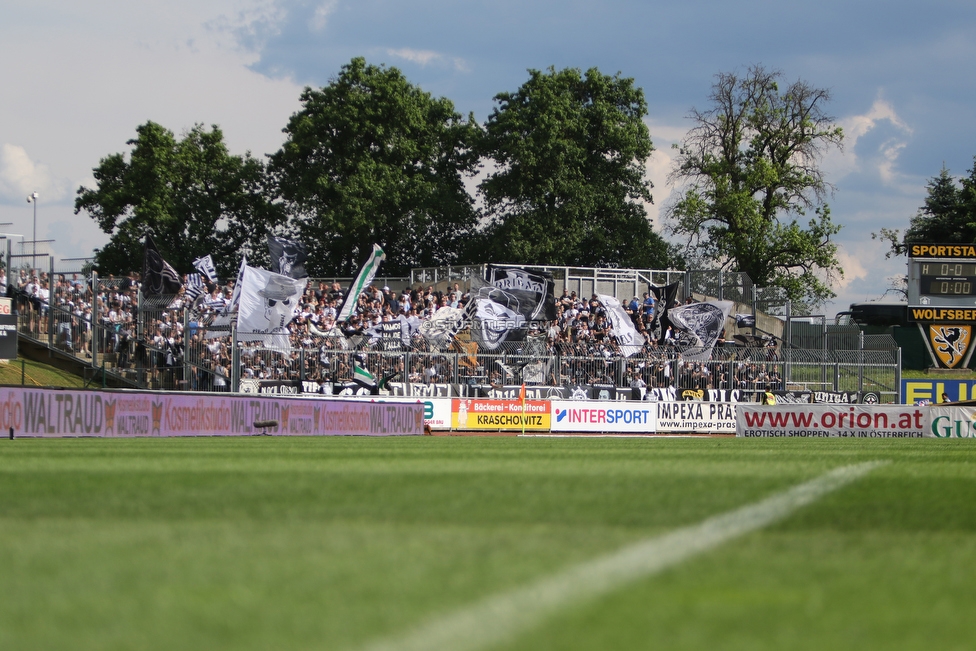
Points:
point(190, 194)
point(568, 187)
point(750, 169)
point(370, 158)
point(948, 215)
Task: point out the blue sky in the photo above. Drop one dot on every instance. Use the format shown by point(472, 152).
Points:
point(78, 77)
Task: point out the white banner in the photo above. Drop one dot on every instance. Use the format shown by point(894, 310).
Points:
point(858, 421)
point(696, 416)
point(607, 417)
point(951, 422)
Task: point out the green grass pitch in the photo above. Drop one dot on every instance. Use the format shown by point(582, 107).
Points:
point(332, 543)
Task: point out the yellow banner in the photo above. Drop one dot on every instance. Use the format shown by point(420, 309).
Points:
point(488, 414)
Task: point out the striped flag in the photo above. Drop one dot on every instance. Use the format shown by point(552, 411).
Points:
point(365, 277)
point(221, 325)
point(205, 266)
point(363, 377)
point(194, 287)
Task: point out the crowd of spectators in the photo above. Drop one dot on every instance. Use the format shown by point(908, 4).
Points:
point(169, 341)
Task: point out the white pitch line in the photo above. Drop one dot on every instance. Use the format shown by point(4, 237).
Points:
point(501, 617)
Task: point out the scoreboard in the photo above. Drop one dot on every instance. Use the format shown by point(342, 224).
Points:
point(942, 282)
point(946, 278)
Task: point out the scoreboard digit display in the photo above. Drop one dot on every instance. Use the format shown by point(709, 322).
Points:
point(942, 282)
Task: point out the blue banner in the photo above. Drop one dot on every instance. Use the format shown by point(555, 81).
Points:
point(914, 391)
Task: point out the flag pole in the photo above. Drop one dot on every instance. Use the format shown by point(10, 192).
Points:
point(522, 398)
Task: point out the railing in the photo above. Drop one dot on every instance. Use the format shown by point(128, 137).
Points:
point(167, 349)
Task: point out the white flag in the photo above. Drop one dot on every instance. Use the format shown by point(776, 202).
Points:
point(440, 329)
point(268, 303)
point(628, 338)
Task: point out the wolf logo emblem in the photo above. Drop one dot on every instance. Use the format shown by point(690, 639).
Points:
point(950, 342)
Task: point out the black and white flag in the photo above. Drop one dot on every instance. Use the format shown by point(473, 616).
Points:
point(702, 323)
point(440, 329)
point(495, 315)
point(745, 320)
point(533, 290)
point(287, 257)
point(268, 303)
point(221, 325)
point(664, 298)
point(158, 276)
point(205, 266)
point(194, 287)
point(507, 303)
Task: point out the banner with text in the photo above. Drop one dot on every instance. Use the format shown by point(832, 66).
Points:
point(58, 413)
point(487, 414)
point(859, 421)
point(930, 391)
point(696, 416)
point(951, 422)
point(607, 417)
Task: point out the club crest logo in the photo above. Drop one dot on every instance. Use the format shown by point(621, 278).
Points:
point(950, 343)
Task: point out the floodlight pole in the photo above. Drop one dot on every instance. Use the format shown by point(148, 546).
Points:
point(32, 198)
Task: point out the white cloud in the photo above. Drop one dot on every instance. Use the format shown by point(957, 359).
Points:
point(424, 58)
point(858, 125)
point(890, 151)
point(659, 167)
point(884, 160)
point(244, 27)
point(665, 135)
point(320, 18)
point(850, 264)
point(98, 71)
point(20, 176)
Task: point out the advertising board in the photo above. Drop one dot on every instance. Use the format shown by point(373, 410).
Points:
point(914, 391)
point(486, 414)
point(860, 421)
point(8, 336)
point(951, 422)
point(694, 416)
point(603, 416)
point(61, 413)
point(437, 411)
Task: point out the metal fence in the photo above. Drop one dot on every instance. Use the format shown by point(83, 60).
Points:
point(166, 346)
